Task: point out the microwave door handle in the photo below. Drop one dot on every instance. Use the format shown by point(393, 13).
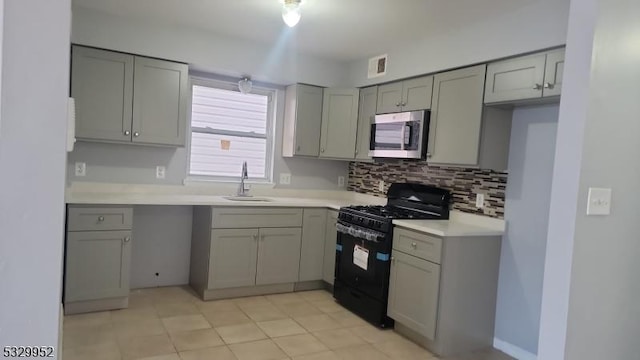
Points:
point(402, 132)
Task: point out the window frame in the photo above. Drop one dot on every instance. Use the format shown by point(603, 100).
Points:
point(270, 134)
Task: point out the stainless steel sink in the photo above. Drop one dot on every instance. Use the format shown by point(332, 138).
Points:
point(248, 198)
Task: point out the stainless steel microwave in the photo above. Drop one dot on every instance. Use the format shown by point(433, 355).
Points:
point(400, 135)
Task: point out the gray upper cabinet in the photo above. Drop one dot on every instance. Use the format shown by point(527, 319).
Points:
point(367, 109)
point(159, 102)
point(278, 256)
point(127, 98)
point(102, 85)
point(413, 293)
point(312, 254)
point(524, 78)
point(554, 70)
point(331, 235)
point(339, 123)
point(97, 265)
point(232, 258)
point(408, 95)
point(302, 120)
point(456, 117)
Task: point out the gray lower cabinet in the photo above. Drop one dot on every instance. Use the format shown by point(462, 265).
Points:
point(367, 109)
point(97, 258)
point(233, 255)
point(314, 224)
point(278, 256)
point(413, 293)
point(407, 95)
point(339, 123)
point(442, 290)
point(331, 235)
point(456, 117)
point(302, 120)
point(525, 78)
point(128, 98)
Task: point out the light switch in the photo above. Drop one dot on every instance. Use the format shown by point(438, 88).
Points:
point(341, 181)
point(599, 201)
point(479, 200)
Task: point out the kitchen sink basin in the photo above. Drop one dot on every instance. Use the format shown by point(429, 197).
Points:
point(248, 198)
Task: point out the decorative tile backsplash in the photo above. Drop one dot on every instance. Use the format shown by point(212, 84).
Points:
point(463, 183)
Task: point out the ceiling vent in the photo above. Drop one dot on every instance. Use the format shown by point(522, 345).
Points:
point(377, 66)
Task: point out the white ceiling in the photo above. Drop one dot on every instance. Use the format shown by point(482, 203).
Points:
point(343, 30)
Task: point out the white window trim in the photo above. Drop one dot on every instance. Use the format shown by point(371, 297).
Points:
point(270, 132)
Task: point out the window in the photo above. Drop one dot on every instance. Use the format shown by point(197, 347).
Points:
point(227, 128)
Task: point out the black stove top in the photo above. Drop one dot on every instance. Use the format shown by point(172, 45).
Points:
point(393, 212)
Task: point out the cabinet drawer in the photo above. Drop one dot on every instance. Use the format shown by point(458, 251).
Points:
point(99, 218)
point(251, 217)
point(417, 244)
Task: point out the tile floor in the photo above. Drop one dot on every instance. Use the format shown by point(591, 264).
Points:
point(171, 323)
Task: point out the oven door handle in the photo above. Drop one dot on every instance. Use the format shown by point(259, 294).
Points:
point(358, 233)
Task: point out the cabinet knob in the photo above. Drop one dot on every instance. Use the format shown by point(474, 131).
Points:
point(298, 148)
point(136, 134)
point(548, 85)
point(403, 104)
point(393, 259)
point(537, 87)
point(414, 245)
point(428, 155)
point(127, 239)
point(100, 218)
point(127, 132)
point(356, 151)
point(322, 150)
point(398, 103)
point(255, 237)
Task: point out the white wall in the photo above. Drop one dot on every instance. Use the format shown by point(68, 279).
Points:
point(206, 51)
point(531, 153)
point(596, 298)
point(539, 25)
point(35, 78)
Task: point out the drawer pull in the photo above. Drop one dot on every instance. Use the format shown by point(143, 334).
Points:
point(100, 218)
point(414, 245)
point(127, 239)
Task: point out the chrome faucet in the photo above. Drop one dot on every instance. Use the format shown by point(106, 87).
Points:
point(242, 190)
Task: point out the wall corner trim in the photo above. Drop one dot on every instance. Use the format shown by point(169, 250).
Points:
point(513, 350)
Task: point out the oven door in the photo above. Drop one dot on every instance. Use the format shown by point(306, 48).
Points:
point(362, 260)
point(400, 135)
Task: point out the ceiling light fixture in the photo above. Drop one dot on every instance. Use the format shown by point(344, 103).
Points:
point(245, 85)
point(291, 12)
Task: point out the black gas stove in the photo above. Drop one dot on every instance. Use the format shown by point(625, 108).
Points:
point(364, 244)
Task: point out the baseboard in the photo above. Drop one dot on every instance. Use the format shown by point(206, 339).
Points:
point(513, 350)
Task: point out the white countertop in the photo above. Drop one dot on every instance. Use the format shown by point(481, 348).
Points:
point(459, 223)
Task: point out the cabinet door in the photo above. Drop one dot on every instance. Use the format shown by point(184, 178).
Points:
point(367, 109)
point(515, 79)
point(308, 120)
point(232, 258)
point(339, 123)
point(389, 98)
point(413, 293)
point(102, 85)
point(159, 102)
point(331, 236)
point(97, 265)
point(416, 93)
point(314, 223)
point(456, 117)
point(278, 256)
point(553, 72)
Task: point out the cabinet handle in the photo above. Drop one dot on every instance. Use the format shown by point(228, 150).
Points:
point(127, 132)
point(100, 218)
point(548, 85)
point(136, 134)
point(537, 87)
point(414, 245)
point(127, 239)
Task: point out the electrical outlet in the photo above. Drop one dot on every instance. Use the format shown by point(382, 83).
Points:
point(599, 201)
point(479, 201)
point(161, 172)
point(81, 169)
point(285, 179)
point(341, 181)
point(381, 186)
